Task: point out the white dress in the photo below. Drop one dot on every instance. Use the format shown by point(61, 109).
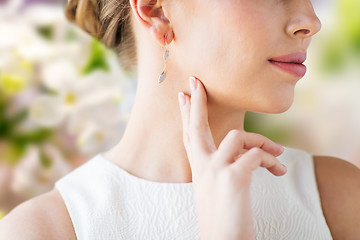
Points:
point(106, 203)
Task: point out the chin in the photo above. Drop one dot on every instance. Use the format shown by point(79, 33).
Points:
point(281, 109)
point(282, 101)
point(277, 106)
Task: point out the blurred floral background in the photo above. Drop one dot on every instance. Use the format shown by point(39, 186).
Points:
point(64, 97)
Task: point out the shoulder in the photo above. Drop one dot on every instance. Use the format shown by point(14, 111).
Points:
point(339, 189)
point(43, 217)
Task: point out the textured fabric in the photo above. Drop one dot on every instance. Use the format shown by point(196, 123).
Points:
point(106, 203)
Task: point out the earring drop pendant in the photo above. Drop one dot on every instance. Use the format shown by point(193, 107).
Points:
point(162, 76)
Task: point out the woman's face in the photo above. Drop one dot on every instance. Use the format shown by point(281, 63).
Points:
point(227, 44)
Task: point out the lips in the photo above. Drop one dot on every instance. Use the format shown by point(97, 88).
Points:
point(291, 63)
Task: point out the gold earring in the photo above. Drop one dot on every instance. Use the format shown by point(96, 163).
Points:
point(166, 55)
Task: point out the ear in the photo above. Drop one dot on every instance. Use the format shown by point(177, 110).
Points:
point(151, 15)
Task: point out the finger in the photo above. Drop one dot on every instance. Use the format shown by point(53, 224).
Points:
point(184, 104)
point(196, 163)
point(200, 134)
point(258, 140)
point(237, 140)
point(254, 158)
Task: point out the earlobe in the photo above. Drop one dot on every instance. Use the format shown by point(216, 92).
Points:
point(150, 14)
point(161, 34)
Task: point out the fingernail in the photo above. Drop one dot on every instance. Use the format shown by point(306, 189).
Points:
point(193, 85)
point(181, 98)
point(284, 167)
point(280, 146)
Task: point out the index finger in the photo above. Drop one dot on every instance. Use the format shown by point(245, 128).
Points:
point(197, 136)
point(200, 135)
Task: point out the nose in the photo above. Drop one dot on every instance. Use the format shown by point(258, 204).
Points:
point(303, 23)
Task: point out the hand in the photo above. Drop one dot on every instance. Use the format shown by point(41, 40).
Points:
point(222, 177)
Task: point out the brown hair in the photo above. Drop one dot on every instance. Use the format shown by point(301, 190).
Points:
point(110, 22)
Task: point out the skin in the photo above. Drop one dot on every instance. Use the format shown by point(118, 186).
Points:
point(201, 32)
point(222, 176)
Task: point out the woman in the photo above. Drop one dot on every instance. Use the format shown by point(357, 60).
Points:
point(245, 55)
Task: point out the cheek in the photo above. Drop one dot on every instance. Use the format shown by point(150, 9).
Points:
point(217, 47)
point(228, 49)
point(199, 48)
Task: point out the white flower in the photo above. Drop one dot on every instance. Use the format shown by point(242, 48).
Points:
point(59, 75)
point(31, 178)
point(90, 107)
point(47, 111)
point(38, 14)
point(97, 138)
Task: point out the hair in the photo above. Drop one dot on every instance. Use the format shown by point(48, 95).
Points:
point(110, 22)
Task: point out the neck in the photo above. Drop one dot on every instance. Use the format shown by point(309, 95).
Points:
point(152, 147)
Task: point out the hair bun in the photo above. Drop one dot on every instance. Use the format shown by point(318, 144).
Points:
point(108, 21)
point(85, 14)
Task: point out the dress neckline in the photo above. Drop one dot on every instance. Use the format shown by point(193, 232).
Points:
point(139, 179)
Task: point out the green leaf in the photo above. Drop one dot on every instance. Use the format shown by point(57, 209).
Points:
point(36, 136)
point(46, 31)
point(13, 154)
point(97, 59)
point(45, 160)
point(12, 84)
